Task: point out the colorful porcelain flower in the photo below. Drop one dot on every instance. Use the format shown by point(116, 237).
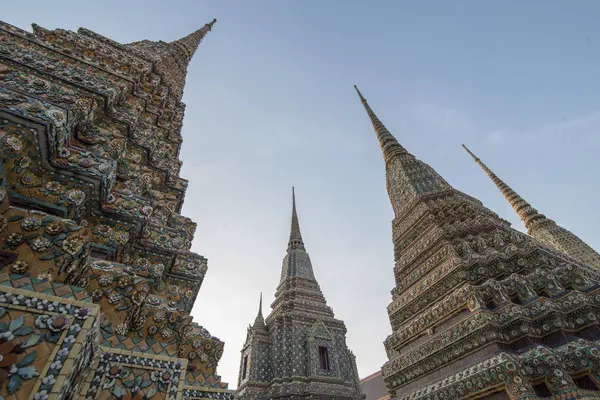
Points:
point(152, 329)
point(30, 224)
point(40, 244)
point(64, 153)
point(13, 143)
point(124, 281)
point(28, 178)
point(76, 196)
point(146, 210)
point(158, 269)
point(57, 323)
point(113, 298)
point(73, 244)
point(166, 333)
point(97, 294)
point(54, 228)
point(153, 301)
point(105, 280)
point(159, 317)
point(122, 329)
point(138, 323)
point(19, 267)
point(114, 372)
point(24, 162)
point(82, 313)
point(121, 237)
point(103, 230)
point(52, 186)
point(162, 376)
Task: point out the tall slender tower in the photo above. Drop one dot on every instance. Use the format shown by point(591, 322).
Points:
point(479, 310)
point(300, 352)
point(97, 280)
point(539, 226)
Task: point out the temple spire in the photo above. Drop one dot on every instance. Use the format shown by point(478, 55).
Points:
point(189, 44)
point(389, 144)
point(171, 60)
point(295, 241)
point(528, 214)
point(259, 321)
point(407, 177)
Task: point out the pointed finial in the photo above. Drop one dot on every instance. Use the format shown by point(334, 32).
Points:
point(527, 213)
point(359, 94)
point(389, 144)
point(260, 305)
point(295, 236)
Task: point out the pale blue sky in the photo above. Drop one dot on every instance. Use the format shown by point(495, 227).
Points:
point(270, 104)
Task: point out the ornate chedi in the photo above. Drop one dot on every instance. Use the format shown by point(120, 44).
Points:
point(479, 309)
point(540, 227)
point(96, 278)
point(300, 352)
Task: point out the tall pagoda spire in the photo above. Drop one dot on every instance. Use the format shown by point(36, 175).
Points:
point(189, 44)
point(272, 365)
point(171, 60)
point(539, 226)
point(407, 177)
point(528, 214)
point(387, 141)
point(295, 241)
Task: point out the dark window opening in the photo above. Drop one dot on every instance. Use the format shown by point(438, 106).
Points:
point(490, 305)
point(542, 390)
point(585, 382)
point(544, 293)
point(324, 358)
point(516, 299)
point(102, 253)
point(244, 367)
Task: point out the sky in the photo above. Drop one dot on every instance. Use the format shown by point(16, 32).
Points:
point(270, 104)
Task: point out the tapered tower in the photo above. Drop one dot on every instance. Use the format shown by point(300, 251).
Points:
point(300, 352)
point(478, 309)
point(539, 226)
point(97, 279)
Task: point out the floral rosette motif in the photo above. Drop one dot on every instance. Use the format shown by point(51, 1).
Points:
point(14, 240)
point(30, 224)
point(20, 267)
